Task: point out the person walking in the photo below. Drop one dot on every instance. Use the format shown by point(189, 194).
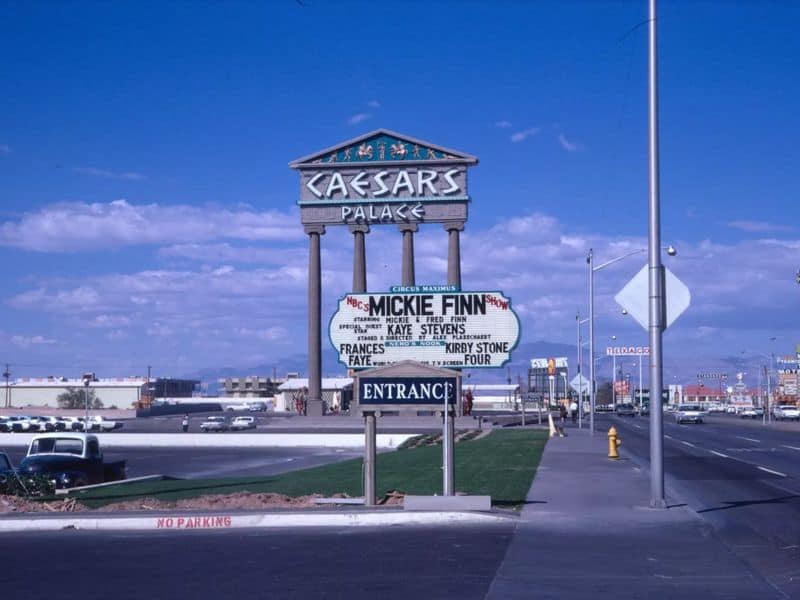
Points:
point(573, 409)
point(185, 423)
point(563, 412)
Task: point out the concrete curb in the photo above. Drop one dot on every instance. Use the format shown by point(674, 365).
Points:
point(212, 440)
point(224, 521)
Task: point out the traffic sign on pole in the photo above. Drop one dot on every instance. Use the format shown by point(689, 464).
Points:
point(635, 296)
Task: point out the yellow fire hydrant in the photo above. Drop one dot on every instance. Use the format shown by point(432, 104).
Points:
point(613, 443)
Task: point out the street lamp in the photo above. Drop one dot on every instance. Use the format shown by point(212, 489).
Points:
point(88, 378)
point(592, 269)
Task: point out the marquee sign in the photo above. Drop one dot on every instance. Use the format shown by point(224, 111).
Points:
point(406, 391)
point(451, 329)
point(383, 177)
point(712, 375)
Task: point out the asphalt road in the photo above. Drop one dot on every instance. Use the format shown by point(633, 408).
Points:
point(216, 462)
point(351, 563)
point(744, 478)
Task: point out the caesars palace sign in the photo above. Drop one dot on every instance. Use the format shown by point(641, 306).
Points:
point(384, 178)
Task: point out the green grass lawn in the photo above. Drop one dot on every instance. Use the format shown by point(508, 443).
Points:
point(501, 465)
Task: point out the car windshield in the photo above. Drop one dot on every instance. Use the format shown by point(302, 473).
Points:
point(56, 446)
point(689, 407)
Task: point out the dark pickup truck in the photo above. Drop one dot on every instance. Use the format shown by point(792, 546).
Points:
point(70, 460)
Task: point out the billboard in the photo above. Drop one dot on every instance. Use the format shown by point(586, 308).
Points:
point(788, 380)
point(447, 329)
point(628, 351)
point(551, 364)
point(675, 394)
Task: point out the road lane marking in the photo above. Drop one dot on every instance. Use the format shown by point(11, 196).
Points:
point(639, 427)
point(766, 470)
point(687, 444)
point(719, 454)
point(792, 447)
point(669, 437)
point(741, 437)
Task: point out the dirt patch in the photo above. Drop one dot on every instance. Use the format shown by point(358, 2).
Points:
point(235, 501)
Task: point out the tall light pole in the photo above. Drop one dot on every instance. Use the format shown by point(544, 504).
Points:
point(613, 375)
point(656, 277)
point(592, 269)
point(579, 322)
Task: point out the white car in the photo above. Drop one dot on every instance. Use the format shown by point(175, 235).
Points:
point(242, 406)
point(240, 423)
point(689, 413)
point(780, 413)
point(215, 424)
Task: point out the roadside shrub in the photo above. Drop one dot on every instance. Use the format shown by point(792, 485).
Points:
point(26, 485)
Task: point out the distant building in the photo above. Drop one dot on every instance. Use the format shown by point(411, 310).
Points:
point(250, 387)
point(121, 392)
point(166, 387)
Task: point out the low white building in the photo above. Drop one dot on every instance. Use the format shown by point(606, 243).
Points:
point(493, 396)
point(121, 392)
point(330, 386)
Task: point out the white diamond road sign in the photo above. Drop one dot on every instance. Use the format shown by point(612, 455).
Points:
point(635, 297)
point(580, 384)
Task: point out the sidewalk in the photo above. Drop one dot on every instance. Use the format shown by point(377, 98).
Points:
point(587, 532)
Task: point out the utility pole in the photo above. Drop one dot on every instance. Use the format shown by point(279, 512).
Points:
point(655, 277)
point(7, 375)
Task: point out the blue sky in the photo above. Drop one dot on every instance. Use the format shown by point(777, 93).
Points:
point(148, 213)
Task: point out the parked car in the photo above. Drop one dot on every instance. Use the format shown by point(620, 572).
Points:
point(786, 412)
point(625, 410)
point(257, 406)
point(240, 423)
point(70, 460)
point(19, 423)
point(751, 412)
point(241, 406)
point(99, 423)
point(6, 468)
point(731, 410)
point(689, 413)
point(644, 409)
point(215, 424)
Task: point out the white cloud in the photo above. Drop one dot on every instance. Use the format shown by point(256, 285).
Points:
point(244, 308)
point(159, 330)
point(568, 145)
point(27, 341)
point(92, 171)
point(358, 118)
point(374, 104)
point(524, 134)
point(72, 227)
point(503, 124)
point(228, 253)
point(5, 149)
point(758, 226)
point(109, 321)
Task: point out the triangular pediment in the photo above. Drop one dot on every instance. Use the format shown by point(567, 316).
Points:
point(408, 368)
point(383, 146)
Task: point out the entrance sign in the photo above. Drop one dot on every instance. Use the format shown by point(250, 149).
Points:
point(383, 177)
point(628, 351)
point(455, 330)
point(406, 391)
point(635, 297)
